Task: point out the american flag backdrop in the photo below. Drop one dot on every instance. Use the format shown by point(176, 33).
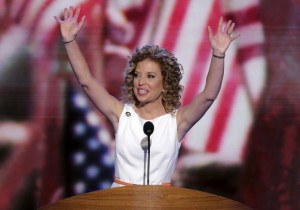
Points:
point(89, 163)
point(113, 29)
point(181, 27)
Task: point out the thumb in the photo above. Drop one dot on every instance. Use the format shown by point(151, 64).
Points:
point(82, 21)
point(57, 19)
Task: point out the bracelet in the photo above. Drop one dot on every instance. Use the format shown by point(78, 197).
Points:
point(66, 42)
point(220, 57)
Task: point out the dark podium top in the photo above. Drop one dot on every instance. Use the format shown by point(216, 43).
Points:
point(146, 197)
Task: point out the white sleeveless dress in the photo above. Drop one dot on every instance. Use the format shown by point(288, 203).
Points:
point(131, 160)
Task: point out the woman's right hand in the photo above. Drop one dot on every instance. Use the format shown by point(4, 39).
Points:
point(69, 25)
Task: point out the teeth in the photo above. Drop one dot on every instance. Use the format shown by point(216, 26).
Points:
point(141, 91)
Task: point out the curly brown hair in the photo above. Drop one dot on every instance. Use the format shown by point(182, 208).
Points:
point(171, 71)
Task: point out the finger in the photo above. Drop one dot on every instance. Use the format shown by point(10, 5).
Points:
point(230, 30)
point(227, 26)
point(77, 14)
point(71, 11)
point(235, 36)
point(66, 15)
point(220, 26)
point(82, 21)
point(210, 33)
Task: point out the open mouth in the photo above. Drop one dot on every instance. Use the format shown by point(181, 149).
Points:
point(142, 91)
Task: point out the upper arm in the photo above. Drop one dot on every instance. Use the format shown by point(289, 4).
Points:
point(190, 114)
point(105, 102)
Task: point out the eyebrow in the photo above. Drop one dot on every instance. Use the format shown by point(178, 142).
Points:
point(150, 72)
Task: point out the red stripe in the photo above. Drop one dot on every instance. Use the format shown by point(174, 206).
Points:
point(203, 55)
point(22, 11)
point(223, 111)
point(174, 25)
point(245, 16)
point(249, 52)
point(139, 16)
point(38, 18)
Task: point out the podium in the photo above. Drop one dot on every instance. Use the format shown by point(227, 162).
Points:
point(146, 197)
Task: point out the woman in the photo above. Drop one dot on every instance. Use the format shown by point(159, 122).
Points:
point(151, 93)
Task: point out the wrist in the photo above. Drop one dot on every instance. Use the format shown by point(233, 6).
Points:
point(218, 53)
point(67, 40)
point(218, 56)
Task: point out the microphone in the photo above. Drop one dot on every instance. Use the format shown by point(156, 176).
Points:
point(144, 143)
point(148, 130)
point(144, 146)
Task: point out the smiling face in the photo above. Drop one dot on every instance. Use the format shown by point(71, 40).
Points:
point(148, 82)
point(170, 74)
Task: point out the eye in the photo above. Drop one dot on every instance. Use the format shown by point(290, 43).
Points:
point(150, 76)
point(135, 74)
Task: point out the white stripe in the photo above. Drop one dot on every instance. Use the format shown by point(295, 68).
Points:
point(238, 126)
point(233, 140)
point(56, 9)
point(31, 12)
point(11, 45)
point(236, 5)
point(163, 21)
point(250, 34)
point(150, 27)
point(127, 4)
point(197, 159)
point(255, 76)
point(198, 135)
point(191, 35)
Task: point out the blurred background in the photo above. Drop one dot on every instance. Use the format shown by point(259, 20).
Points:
point(55, 144)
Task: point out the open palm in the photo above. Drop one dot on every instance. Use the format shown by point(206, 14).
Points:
point(70, 26)
point(221, 40)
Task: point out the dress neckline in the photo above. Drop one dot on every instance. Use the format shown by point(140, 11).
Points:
point(143, 119)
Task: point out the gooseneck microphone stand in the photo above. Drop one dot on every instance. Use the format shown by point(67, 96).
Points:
point(148, 130)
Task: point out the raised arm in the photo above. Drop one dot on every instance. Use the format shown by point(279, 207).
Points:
point(187, 116)
point(70, 27)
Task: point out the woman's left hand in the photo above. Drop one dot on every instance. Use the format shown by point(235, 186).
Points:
point(220, 41)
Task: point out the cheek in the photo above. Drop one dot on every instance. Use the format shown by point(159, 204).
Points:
point(161, 85)
point(134, 82)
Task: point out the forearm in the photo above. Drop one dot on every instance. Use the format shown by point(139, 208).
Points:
point(214, 78)
point(98, 94)
point(78, 63)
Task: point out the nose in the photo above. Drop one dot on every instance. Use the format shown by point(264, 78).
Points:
point(141, 80)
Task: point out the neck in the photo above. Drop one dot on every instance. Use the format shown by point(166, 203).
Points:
point(151, 110)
